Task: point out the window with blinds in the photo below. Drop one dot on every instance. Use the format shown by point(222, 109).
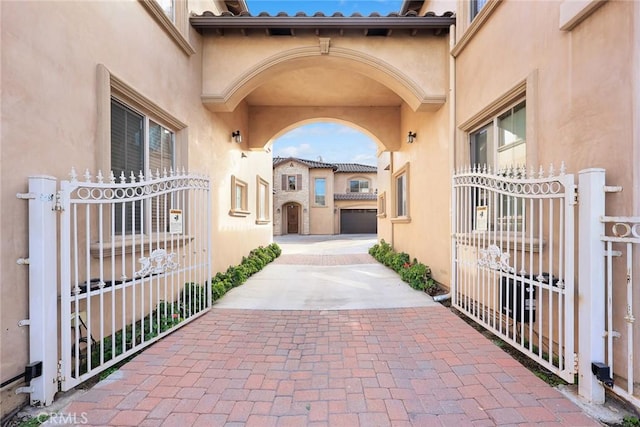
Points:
point(139, 144)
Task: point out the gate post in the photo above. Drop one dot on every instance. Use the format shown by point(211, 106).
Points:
point(591, 282)
point(43, 289)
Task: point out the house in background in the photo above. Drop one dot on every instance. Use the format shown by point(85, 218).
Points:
point(313, 197)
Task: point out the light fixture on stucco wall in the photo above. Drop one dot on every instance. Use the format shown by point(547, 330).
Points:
point(411, 137)
point(237, 137)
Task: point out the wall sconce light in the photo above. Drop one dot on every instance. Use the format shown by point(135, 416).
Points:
point(243, 156)
point(237, 137)
point(411, 137)
point(278, 210)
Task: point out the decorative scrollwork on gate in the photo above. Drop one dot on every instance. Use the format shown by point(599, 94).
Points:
point(158, 262)
point(624, 229)
point(494, 259)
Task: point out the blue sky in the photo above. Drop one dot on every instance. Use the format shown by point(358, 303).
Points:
point(328, 7)
point(332, 142)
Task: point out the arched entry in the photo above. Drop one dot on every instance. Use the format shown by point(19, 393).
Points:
point(292, 218)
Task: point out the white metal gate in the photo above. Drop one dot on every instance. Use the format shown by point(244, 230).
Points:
point(622, 235)
point(134, 265)
point(513, 259)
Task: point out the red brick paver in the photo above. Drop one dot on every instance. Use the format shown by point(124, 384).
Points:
point(384, 367)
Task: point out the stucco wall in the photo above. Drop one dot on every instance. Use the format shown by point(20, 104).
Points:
point(427, 235)
point(577, 98)
point(50, 123)
point(321, 217)
point(420, 78)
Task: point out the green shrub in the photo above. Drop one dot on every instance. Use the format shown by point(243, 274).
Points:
point(416, 274)
point(218, 289)
point(193, 298)
point(399, 261)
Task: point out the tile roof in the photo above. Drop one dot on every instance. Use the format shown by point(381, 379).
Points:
point(312, 164)
point(337, 167)
point(355, 167)
point(355, 196)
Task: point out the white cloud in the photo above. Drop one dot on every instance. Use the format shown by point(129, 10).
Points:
point(294, 151)
point(366, 159)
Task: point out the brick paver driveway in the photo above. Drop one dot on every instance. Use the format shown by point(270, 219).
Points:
point(403, 366)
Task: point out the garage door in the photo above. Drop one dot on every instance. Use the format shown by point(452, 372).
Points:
point(358, 221)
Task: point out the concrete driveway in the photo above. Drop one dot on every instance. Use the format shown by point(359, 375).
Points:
point(324, 273)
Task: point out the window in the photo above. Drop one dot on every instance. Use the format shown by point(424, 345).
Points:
point(239, 197)
point(139, 144)
point(292, 182)
point(173, 17)
point(501, 142)
point(320, 192)
point(401, 194)
point(358, 186)
point(476, 7)
point(382, 205)
point(262, 201)
point(168, 6)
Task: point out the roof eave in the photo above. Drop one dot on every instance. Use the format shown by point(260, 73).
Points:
point(202, 22)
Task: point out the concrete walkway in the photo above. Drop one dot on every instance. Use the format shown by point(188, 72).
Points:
point(325, 337)
point(335, 273)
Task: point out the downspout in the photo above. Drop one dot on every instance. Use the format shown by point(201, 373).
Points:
point(635, 102)
point(452, 155)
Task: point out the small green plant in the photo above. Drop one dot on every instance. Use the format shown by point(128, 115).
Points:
point(35, 421)
point(630, 421)
point(416, 274)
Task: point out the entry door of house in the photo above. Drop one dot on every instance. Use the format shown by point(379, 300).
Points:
point(292, 219)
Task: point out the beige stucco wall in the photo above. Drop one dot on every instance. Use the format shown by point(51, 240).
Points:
point(50, 110)
point(420, 79)
point(576, 97)
point(426, 235)
point(321, 218)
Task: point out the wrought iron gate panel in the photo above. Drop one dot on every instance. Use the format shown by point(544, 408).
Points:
point(622, 236)
point(513, 260)
point(135, 265)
